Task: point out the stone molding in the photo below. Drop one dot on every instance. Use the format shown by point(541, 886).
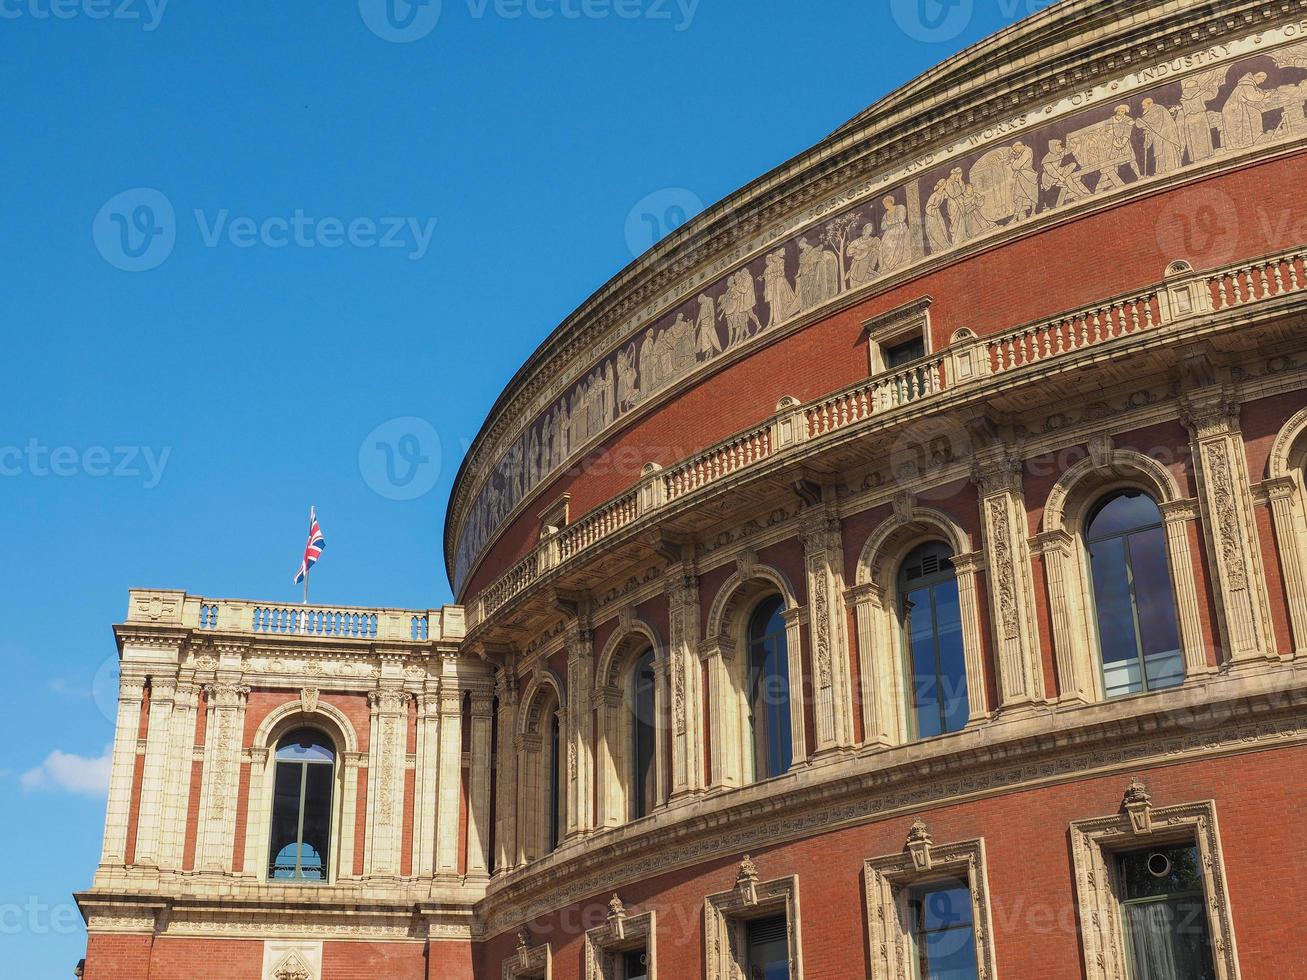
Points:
point(623, 932)
point(888, 881)
point(725, 914)
point(1138, 825)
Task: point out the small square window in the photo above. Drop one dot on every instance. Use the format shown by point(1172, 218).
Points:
point(899, 337)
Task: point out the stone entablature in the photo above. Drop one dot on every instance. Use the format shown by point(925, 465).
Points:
point(1037, 167)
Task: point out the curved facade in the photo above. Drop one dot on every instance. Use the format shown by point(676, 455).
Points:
point(900, 571)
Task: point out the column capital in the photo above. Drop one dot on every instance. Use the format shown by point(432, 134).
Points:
point(997, 472)
point(1210, 412)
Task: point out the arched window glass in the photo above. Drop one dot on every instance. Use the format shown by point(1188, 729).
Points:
point(555, 779)
point(301, 807)
point(935, 663)
point(769, 690)
point(1138, 634)
point(643, 751)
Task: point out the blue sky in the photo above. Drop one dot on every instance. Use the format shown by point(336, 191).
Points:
point(376, 216)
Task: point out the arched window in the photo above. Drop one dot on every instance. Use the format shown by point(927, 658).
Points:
point(301, 808)
point(643, 738)
point(556, 799)
point(934, 660)
point(1138, 633)
point(769, 690)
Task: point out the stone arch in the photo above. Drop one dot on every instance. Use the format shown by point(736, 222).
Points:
point(725, 651)
point(1287, 491)
point(619, 648)
point(535, 764)
point(885, 686)
point(612, 690)
point(307, 711)
point(894, 537)
point(538, 689)
point(1062, 547)
point(293, 714)
point(1070, 497)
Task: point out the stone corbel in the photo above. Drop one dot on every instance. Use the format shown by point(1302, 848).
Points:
point(1138, 806)
point(919, 846)
point(746, 882)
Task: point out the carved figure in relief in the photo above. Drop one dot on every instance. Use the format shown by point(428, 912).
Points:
point(1162, 137)
point(777, 291)
point(1107, 147)
point(819, 275)
point(973, 216)
point(1293, 98)
point(739, 307)
point(649, 382)
point(955, 188)
point(1241, 116)
point(707, 341)
point(1197, 120)
point(667, 356)
point(683, 345)
point(1062, 175)
point(895, 236)
point(865, 253)
point(937, 233)
point(1025, 183)
point(628, 386)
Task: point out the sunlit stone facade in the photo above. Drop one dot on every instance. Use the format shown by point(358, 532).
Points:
point(900, 569)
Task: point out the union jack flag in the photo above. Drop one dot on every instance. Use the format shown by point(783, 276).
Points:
point(312, 550)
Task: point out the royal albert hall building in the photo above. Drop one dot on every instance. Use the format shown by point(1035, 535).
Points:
point(899, 572)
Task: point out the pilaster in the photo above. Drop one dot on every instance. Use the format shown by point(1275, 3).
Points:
point(154, 768)
point(131, 690)
point(832, 682)
point(478, 824)
point(1011, 586)
point(225, 725)
point(1225, 501)
point(686, 698)
point(580, 732)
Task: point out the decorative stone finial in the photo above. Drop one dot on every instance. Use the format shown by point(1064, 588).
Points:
point(1138, 806)
point(746, 881)
point(617, 917)
point(919, 844)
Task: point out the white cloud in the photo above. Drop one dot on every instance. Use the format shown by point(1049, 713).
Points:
point(71, 773)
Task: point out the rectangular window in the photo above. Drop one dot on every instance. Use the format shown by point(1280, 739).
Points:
point(904, 351)
point(1164, 913)
point(768, 949)
point(944, 932)
point(635, 965)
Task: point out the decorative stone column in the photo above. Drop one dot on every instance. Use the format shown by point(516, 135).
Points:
point(450, 779)
point(224, 729)
point(794, 619)
point(478, 824)
point(389, 727)
point(1283, 494)
point(527, 750)
point(1011, 587)
point(154, 771)
point(832, 683)
point(1076, 682)
point(881, 693)
point(131, 691)
point(507, 756)
point(1178, 516)
point(258, 813)
point(608, 705)
point(685, 698)
point(427, 783)
point(1212, 417)
point(352, 764)
point(177, 786)
point(579, 729)
point(718, 655)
